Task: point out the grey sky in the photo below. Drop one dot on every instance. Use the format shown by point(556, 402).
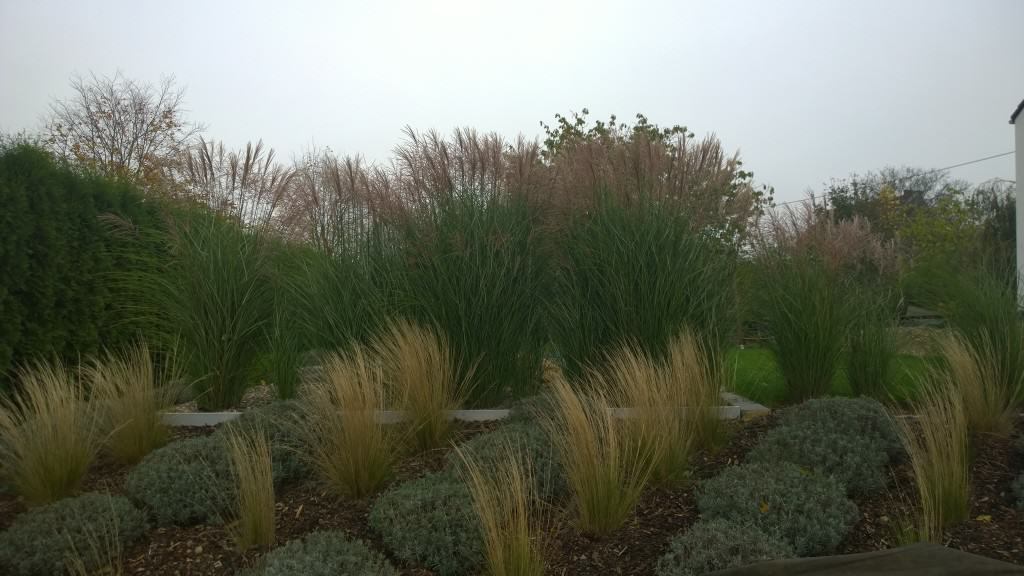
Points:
point(807, 90)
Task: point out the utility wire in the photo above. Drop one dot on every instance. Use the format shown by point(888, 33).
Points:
point(969, 162)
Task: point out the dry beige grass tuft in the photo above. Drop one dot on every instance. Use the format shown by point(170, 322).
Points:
point(939, 448)
point(505, 503)
point(607, 461)
point(419, 369)
point(131, 393)
point(350, 447)
point(254, 475)
point(49, 434)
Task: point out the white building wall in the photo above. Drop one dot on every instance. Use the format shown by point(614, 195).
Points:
point(1019, 144)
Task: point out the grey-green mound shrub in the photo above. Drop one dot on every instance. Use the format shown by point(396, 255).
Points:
point(324, 554)
point(185, 482)
point(430, 522)
point(718, 544)
point(535, 445)
point(849, 416)
point(40, 541)
point(809, 511)
point(858, 462)
point(281, 422)
point(529, 409)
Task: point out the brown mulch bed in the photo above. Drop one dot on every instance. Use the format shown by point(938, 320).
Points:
point(994, 528)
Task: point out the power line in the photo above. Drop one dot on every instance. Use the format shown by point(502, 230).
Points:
point(969, 162)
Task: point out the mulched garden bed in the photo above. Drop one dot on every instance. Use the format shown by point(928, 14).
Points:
point(996, 527)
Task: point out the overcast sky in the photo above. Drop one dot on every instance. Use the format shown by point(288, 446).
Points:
point(806, 90)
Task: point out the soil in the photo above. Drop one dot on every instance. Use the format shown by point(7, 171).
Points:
point(995, 527)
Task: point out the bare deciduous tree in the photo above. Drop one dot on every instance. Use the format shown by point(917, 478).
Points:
point(120, 127)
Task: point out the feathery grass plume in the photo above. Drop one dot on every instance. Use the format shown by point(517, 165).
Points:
point(350, 447)
point(697, 374)
point(974, 369)
point(505, 503)
point(607, 465)
point(254, 477)
point(131, 391)
point(937, 442)
point(49, 434)
point(655, 400)
point(420, 369)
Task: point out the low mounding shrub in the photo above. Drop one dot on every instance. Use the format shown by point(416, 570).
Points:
point(185, 482)
point(857, 462)
point(490, 449)
point(806, 510)
point(853, 445)
point(324, 554)
point(430, 521)
point(87, 531)
point(49, 435)
point(711, 545)
point(281, 422)
point(850, 416)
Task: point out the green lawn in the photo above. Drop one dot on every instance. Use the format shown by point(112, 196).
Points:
point(756, 376)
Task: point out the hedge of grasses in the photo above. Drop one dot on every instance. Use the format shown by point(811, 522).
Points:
point(635, 271)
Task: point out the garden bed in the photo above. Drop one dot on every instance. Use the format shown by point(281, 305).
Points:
point(995, 529)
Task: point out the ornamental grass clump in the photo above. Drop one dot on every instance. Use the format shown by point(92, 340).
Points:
point(711, 545)
point(504, 501)
point(420, 370)
point(471, 261)
point(806, 313)
point(82, 535)
point(211, 298)
point(131, 391)
point(634, 272)
point(654, 403)
point(696, 371)
point(252, 466)
point(607, 460)
point(350, 448)
point(974, 369)
point(49, 434)
point(937, 442)
point(871, 351)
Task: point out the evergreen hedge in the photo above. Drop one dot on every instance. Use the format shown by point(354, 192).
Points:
point(63, 235)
